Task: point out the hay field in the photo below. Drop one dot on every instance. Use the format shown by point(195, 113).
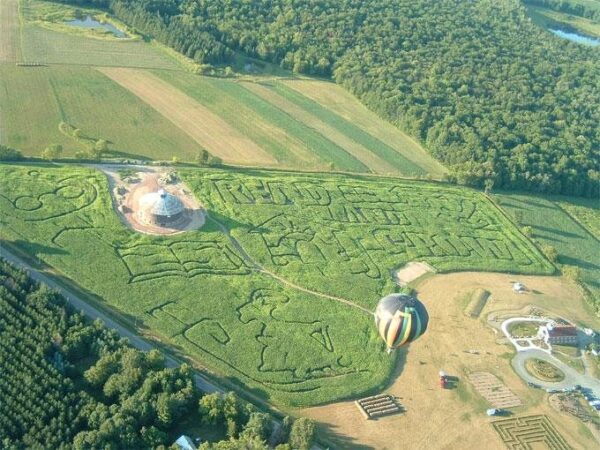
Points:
point(205, 127)
point(34, 100)
point(373, 162)
point(339, 101)
point(242, 307)
point(455, 418)
point(289, 141)
point(9, 30)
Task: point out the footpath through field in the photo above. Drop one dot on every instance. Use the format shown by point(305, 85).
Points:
point(261, 269)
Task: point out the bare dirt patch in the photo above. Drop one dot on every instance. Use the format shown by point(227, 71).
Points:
point(9, 30)
point(437, 418)
point(127, 195)
point(205, 127)
point(411, 272)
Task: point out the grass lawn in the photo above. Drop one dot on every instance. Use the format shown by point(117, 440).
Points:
point(574, 363)
point(296, 337)
point(523, 329)
point(283, 137)
point(34, 101)
point(552, 226)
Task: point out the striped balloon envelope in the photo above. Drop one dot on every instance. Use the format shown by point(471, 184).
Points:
point(400, 319)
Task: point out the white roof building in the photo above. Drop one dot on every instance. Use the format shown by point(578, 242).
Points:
point(161, 207)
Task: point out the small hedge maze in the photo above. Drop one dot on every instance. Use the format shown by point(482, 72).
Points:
point(520, 433)
point(269, 292)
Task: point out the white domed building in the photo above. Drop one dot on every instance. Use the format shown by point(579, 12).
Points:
point(160, 208)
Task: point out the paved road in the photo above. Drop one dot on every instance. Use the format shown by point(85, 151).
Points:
point(572, 377)
point(135, 340)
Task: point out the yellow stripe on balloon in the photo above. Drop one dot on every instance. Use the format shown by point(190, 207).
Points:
point(392, 332)
point(407, 329)
point(382, 325)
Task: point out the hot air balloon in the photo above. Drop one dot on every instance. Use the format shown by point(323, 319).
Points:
point(400, 319)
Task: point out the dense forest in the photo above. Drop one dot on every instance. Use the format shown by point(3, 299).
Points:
point(67, 383)
point(490, 94)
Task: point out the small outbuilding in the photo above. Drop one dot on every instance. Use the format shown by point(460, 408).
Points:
point(161, 208)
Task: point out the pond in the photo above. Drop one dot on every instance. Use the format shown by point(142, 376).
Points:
point(575, 37)
point(90, 22)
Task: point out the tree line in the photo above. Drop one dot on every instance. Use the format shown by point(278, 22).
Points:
point(489, 93)
point(68, 383)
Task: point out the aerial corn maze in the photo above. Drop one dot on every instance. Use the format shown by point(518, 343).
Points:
point(275, 291)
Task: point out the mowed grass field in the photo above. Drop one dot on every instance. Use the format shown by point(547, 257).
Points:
point(568, 225)
point(34, 100)
point(43, 43)
point(333, 98)
point(298, 332)
point(277, 122)
point(9, 31)
point(205, 127)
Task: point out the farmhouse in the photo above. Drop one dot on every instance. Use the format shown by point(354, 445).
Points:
point(554, 334)
point(160, 208)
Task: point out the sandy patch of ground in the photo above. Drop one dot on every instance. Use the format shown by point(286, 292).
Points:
point(455, 418)
point(361, 153)
point(9, 30)
point(411, 272)
point(126, 204)
point(205, 127)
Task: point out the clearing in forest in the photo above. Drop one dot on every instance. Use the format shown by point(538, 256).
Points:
point(35, 100)
point(336, 99)
point(9, 30)
point(205, 127)
point(275, 290)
